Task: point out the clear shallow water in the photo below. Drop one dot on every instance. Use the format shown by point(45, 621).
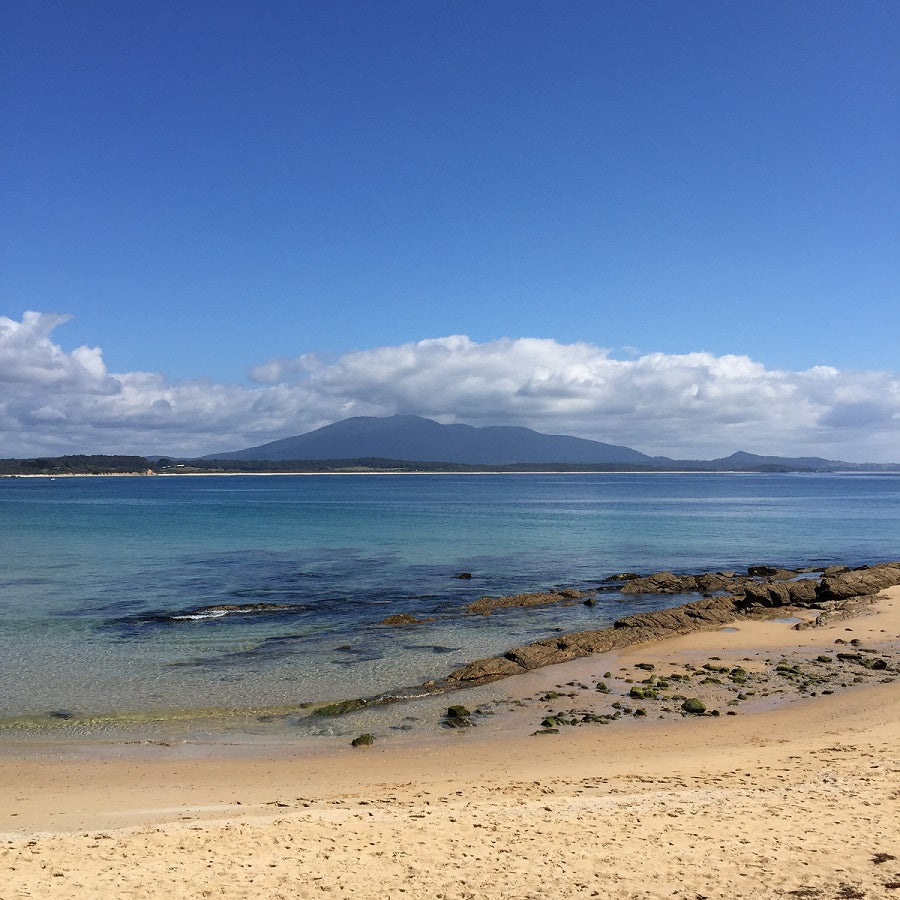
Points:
point(103, 581)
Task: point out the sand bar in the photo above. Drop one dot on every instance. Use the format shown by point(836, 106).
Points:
point(783, 799)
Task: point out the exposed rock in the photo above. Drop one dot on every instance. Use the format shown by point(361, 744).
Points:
point(584, 643)
point(660, 583)
point(669, 583)
point(483, 670)
point(758, 599)
point(486, 605)
point(712, 582)
point(630, 630)
point(781, 593)
point(859, 582)
point(802, 591)
point(772, 572)
point(835, 611)
point(457, 717)
point(542, 653)
point(364, 740)
point(694, 616)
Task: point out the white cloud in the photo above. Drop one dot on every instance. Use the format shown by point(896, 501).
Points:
point(685, 405)
point(28, 356)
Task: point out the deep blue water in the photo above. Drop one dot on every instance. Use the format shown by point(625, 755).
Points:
point(103, 581)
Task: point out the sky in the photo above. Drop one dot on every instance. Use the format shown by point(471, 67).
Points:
point(666, 224)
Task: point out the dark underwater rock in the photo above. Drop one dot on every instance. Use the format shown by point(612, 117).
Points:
point(403, 619)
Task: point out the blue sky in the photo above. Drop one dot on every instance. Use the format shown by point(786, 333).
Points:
point(212, 190)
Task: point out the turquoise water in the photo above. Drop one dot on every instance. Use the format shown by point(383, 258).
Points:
point(104, 581)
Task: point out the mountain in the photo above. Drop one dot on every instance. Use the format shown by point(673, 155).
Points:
point(412, 439)
point(752, 462)
point(743, 460)
point(423, 440)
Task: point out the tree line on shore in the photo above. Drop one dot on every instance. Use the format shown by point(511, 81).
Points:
point(106, 464)
point(75, 464)
point(116, 464)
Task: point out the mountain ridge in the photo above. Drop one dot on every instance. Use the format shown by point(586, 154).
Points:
point(424, 440)
point(420, 440)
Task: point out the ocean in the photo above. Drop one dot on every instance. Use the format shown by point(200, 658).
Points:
point(107, 583)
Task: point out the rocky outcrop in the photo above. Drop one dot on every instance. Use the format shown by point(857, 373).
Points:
point(543, 653)
point(483, 670)
point(716, 582)
point(838, 610)
point(660, 583)
point(843, 593)
point(486, 605)
point(707, 582)
point(669, 583)
point(629, 630)
point(780, 593)
point(859, 582)
point(773, 573)
point(695, 616)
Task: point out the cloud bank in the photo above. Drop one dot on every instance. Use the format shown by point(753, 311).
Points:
point(692, 405)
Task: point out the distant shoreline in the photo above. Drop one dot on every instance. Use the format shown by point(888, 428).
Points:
point(426, 472)
point(353, 471)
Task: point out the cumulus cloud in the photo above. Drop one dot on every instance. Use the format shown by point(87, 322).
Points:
point(28, 356)
point(681, 405)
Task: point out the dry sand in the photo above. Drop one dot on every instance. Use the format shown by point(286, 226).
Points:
point(793, 800)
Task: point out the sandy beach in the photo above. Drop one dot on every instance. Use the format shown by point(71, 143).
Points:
point(779, 795)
